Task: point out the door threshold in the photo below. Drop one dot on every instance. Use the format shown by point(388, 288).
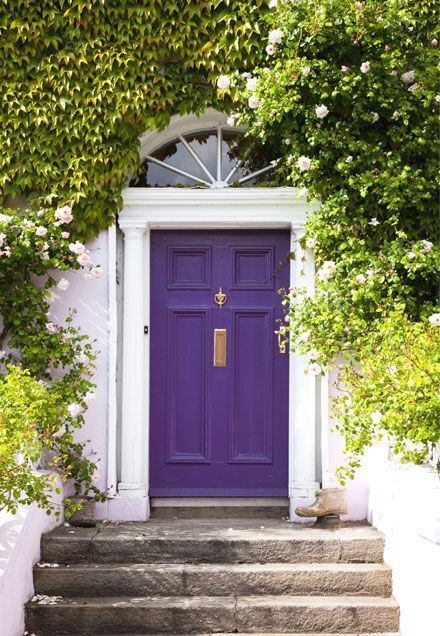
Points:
point(230, 502)
point(219, 507)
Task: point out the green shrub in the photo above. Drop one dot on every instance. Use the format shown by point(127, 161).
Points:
point(351, 90)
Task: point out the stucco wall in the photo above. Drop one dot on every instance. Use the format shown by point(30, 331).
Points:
point(404, 504)
point(19, 550)
point(91, 300)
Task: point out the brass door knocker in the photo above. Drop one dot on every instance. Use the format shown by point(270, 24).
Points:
point(220, 297)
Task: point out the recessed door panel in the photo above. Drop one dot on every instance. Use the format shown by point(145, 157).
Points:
point(219, 384)
point(252, 391)
point(187, 386)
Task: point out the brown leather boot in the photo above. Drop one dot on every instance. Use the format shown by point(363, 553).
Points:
point(329, 501)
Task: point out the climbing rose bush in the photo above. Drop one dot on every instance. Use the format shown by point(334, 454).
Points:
point(46, 367)
point(352, 90)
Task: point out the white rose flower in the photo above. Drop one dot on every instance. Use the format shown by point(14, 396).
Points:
point(74, 409)
point(304, 163)
point(374, 117)
point(276, 36)
point(327, 269)
point(83, 259)
point(63, 284)
point(89, 398)
point(94, 273)
point(51, 327)
point(303, 192)
point(349, 159)
point(321, 111)
point(253, 101)
point(313, 354)
point(251, 83)
point(412, 255)
point(270, 49)
point(273, 4)
point(41, 230)
point(360, 278)
point(82, 358)
point(231, 119)
point(65, 235)
point(434, 319)
point(77, 247)
point(305, 336)
point(407, 77)
point(427, 246)
point(64, 214)
point(314, 368)
point(376, 417)
point(365, 67)
point(310, 243)
point(2, 238)
point(223, 82)
point(305, 70)
point(373, 221)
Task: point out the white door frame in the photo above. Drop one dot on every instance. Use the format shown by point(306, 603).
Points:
point(175, 208)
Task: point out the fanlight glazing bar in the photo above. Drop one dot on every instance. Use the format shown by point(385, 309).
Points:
point(219, 153)
point(237, 166)
point(248, 177)
point(177, 170)
point(196, 158)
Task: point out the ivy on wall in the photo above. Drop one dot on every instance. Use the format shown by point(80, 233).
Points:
point(82, 79)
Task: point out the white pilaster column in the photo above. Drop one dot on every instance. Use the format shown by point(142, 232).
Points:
point(302, 407)
point(134, 443)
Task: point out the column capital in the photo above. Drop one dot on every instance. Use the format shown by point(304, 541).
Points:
point(298, 232)
point(133, 231)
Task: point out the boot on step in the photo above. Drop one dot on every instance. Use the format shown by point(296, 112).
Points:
point(329, 501)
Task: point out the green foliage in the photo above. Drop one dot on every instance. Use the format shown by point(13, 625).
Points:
point(82, 79)
point(26, 409)
point(394, 393)
point(351, 89)
point(45, 368)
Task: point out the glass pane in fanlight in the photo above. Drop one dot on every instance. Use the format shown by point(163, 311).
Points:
point(234, 147)
point(255, 156)
point(173, 154)
point(204, 145)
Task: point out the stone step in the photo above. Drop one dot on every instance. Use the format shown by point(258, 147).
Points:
point(252, 614)
point(212, 541)
point(361, 579)
point(219, 512)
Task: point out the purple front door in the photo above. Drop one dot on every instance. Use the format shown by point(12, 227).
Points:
point(219, 385)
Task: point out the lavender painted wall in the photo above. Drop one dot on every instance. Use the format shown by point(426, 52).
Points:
point(91, 300)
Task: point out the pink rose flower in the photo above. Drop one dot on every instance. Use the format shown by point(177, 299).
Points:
point(64, 214)
point(41, 231)
point(304, 163)
point(83, 259)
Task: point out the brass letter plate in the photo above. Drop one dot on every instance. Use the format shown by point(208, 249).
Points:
point(219, 347)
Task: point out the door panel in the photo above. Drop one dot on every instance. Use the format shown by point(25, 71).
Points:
point(187, 385)
point(252, 389)
point(218, 430)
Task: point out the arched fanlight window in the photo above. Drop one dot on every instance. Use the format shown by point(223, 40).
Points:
point(218, 158)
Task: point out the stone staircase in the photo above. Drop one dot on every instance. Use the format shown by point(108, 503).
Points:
point(212, 575)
